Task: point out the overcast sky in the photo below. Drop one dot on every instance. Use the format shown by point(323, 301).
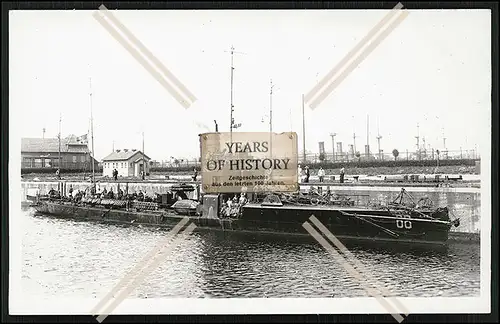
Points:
point(434, 69)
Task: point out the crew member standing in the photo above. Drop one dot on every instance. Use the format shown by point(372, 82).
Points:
point(299, 174)
point(342, 172)
point(321, 174)
point(308, 174)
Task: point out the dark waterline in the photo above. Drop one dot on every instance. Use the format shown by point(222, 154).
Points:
point(84, 259)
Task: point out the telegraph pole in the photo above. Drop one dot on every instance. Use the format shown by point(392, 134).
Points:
point(333, 145)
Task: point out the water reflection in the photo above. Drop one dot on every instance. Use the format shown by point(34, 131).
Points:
point(84, 259)
point(271, 267)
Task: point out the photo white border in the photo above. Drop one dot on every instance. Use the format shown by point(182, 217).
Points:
point(20, 304)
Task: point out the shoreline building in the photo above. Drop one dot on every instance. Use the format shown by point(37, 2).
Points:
point(128, 163)
point(44, 153)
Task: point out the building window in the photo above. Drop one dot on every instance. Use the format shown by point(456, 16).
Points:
point(82, 159)
point(74, 158)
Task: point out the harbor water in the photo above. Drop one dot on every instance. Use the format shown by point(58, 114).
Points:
point(66, 258)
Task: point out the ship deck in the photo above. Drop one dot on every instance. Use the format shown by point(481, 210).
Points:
point(359, 211)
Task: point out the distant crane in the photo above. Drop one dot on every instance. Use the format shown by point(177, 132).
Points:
point(333, 145)
point(425, 149)
point(354, 136)
point(418, 141)
point(379, 137)
point(444, 140)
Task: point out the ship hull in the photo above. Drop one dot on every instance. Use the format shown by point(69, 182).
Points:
point(347, 224)
point(353, 223)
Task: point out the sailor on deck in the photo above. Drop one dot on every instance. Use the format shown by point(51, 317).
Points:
point(321, 174)
point(342, 173)
point(300, 174)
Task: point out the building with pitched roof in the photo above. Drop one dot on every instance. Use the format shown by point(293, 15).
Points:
point(44, 153)
point(128, 163)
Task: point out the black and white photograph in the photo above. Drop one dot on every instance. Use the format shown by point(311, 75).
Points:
point(250, 161)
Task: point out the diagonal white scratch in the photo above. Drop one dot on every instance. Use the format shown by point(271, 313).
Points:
point(148, 66)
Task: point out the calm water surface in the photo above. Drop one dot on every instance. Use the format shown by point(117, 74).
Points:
point(84, 259)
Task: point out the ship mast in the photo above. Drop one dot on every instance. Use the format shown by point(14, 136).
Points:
point(232, 124)
point(232, 106)
point(303, 132)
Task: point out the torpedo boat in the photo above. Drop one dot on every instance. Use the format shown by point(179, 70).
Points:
point(402, 221)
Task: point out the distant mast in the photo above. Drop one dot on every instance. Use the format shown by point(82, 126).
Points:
point(303, 132)
point(368, 135)
point(232, 106)
point(271, 118)
point(59, 137)
point(92, 132)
